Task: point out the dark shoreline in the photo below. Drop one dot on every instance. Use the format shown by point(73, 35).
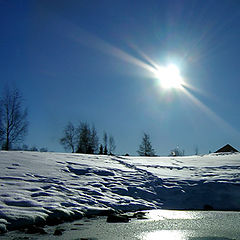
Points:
point(111, 217)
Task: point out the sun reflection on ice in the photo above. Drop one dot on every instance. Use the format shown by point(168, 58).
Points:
point(172, 214)
point(165, 234)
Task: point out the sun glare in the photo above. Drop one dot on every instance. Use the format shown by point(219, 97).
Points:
point(166, 234)
point(169, 77)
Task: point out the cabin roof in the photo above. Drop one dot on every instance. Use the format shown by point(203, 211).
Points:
point(227, 148)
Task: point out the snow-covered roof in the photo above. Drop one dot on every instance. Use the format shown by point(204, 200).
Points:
point(227, 148)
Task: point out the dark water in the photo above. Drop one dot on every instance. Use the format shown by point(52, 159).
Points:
point(158, 225)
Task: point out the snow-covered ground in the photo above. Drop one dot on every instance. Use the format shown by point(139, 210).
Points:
point(42, 187)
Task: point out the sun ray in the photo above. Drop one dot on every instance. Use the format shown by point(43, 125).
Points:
point(150, 66)
point(221, 123)
point(93, 41)
point(144, 55)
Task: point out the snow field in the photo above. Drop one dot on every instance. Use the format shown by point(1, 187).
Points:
point(39, 188)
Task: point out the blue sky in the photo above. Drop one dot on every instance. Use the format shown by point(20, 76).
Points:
point(82, 61)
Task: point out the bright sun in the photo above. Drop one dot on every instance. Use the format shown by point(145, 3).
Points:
point(169, 77)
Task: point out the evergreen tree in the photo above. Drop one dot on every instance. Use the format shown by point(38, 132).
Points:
point(145, 148)
point(101, 150)
point(105, 141)
point(105, 152)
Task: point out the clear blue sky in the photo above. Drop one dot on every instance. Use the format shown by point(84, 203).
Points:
point(79, 61)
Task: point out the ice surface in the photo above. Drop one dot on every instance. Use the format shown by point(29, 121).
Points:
point(39, 187)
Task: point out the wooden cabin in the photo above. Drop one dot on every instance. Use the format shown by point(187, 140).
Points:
point(227, 148)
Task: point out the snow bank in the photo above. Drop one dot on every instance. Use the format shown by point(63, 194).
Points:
point(48, 188)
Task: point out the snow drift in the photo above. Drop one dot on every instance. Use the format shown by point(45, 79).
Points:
point(47, 188)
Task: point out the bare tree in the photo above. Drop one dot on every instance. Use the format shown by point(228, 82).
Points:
point(84, 138)
point(87, 139)
point(145, 148)
point(33, 149)
point(177, 152)
point(43, 149)
point(13, 118)
point(105, 141)
point(112, 145)
point(69, 137)
point(196, 150)
point(94, 139)
point(25, 147)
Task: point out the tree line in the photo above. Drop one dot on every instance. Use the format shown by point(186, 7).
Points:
point(146, 149)
point(84, 139)
point(81, 138)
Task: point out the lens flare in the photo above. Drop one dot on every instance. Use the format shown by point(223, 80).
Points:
point(168, 76)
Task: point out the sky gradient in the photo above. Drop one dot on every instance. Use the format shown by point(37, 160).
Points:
point(90, 60)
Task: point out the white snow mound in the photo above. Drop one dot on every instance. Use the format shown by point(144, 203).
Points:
point(39, 188)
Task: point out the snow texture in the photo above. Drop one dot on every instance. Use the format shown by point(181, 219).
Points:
point(38, 188)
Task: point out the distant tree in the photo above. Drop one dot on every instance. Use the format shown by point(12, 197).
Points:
point(87, 139)
point(94, 140)
point(25, 147)
point(16, 148)
point(105, 152)
point(196, 150)
point(112, 145)
point(43, 149)
point(69, 137)
point(84, 138)
point(1, 127)
point(105, 142)
point(177, 152)
point(145, 148)
point(33, 149)
point(13, 118)
point(101, 150)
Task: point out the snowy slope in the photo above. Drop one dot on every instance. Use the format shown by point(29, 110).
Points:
point(42, 187)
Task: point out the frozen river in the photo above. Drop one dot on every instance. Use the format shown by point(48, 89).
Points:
point(159, 224)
